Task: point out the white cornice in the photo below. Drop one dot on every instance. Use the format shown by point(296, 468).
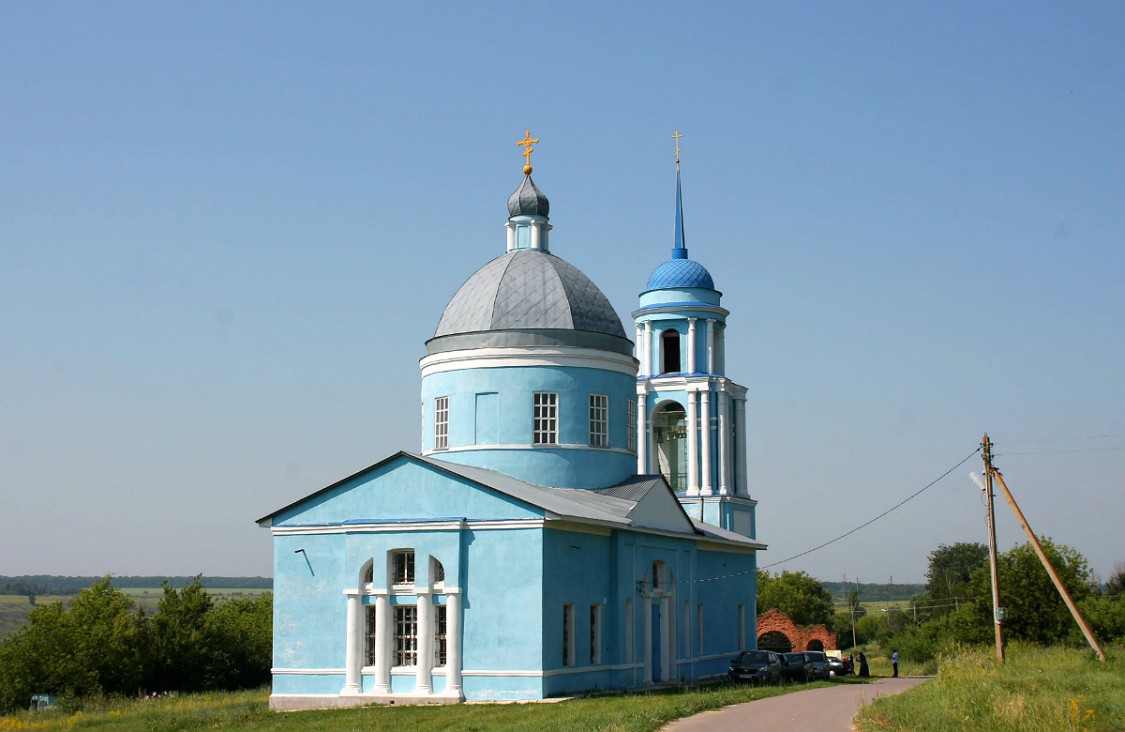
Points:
point(490, 358)
point(560, 446)
point(381, 528)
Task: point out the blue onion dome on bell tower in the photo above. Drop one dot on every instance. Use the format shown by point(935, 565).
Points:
point(680, 271)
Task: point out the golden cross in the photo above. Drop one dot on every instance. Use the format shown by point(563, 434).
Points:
point(677, 137)
point(527, 143)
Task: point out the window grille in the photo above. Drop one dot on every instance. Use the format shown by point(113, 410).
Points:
point(406, 635)
point(568, 635)
point(599, 420)
point(631, 425)
point(369, 636)
point(545, 429)
point(402, 567)
point(441, 423)
point(439, 635)
point(595, 634)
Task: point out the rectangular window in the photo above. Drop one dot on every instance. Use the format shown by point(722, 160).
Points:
point(741, 627)
point(628, 631)
point(369, 636)
point(545, 430)
point(406, 635)
point(599, 420)
point(568, 635)
point(439, 635)
point(631, 425)
point(402, 567)
point(441, 423)
point(595, 634)
point(699, 630)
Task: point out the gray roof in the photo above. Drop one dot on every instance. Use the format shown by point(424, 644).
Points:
point(529, 289)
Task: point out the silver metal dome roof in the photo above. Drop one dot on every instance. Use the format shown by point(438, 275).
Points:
point(526, 297)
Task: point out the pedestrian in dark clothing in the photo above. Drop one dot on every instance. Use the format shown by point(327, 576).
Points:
point(894, 662)
point(863, 670)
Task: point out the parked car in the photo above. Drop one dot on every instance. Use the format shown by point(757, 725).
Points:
point(818, 665)
point(795, 667)
point(839, 664)
point(757, 667)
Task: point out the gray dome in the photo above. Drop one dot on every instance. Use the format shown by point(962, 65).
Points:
point(528, 200)
point(531, 297)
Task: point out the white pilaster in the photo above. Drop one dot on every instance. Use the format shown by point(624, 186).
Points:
point(352, 645)
point(422, 682)
point(724, 444)
point(690, 345)
point(641, 416)
point(692, 446)
point(453, 662)
point(646, 367)
point(710, 346)
point(511, 236)
point(740, 487)
point(382, 643)
point(705, 449)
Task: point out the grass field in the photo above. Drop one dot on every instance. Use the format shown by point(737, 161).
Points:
point(1035, 689)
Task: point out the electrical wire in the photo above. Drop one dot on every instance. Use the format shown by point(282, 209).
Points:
point(1056, 452)
point(884, 513)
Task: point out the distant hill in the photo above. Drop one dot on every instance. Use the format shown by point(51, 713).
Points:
point(873, 592)
point(48, 584)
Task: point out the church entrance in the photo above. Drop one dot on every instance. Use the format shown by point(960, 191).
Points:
point(670, 429)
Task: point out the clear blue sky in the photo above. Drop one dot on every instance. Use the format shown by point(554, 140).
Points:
point(227, 229)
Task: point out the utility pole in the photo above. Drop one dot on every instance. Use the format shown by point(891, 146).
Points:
point(1050, 569)
point(997, 611)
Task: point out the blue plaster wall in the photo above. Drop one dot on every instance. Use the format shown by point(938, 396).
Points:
point(507, 392)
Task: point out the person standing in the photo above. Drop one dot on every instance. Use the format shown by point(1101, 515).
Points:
point(894, 662)
point(863, 670)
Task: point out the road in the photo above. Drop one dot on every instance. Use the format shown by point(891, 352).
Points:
point(812, 710)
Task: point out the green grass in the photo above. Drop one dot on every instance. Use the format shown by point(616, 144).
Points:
point(247, 711)
point(1035, 689)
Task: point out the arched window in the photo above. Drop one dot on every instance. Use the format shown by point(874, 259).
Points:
point(669, 423)
point(369, 573)
point(659, 576)
point(437, 573)
point(670, 351)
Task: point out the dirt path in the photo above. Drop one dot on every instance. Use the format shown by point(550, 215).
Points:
point(813, 710)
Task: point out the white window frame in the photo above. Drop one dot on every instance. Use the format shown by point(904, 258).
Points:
point(545, 418)
point(599, 420)
point(402, 568)
point(441, 423)
point(371, 651)
point(406, 635)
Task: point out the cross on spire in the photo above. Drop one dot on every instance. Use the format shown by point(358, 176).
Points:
point(527, 143)
point(675, 137)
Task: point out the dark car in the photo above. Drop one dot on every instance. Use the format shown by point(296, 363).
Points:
point(757, 667)
point(818, 664)
point(795, 667)
point(838, 666)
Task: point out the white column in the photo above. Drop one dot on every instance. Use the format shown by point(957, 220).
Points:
point(511, 236)
point(692, 446)
point(646, 365)
point(705, 449)
point(640, 348)
point(352, 644)
point(642, 430)
point(422, 682)
point(383, 650)
point(721, 347)
point(724, 444)
point(740, 487)
point(534, 234)
point(453, 662)
point(710, 346)
point(690, 346)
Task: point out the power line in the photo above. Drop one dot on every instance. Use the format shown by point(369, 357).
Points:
point(1079, 438)
point(1055, 452)
point(884, 513)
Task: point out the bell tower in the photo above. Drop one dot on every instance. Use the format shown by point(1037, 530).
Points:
point(692, 424)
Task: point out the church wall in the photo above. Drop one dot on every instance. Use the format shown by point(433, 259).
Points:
point(720, 599)
point(505, 444)
point(402, 490)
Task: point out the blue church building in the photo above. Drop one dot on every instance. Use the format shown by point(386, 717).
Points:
point(577, 518)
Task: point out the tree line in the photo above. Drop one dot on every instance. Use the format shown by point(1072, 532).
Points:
point(47, 584)
point(955, 606)
point(102, 644)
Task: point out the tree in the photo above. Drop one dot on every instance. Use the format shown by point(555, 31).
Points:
point(1115, 585)
point(947, 580)
point(241, 632)
point(1033, 610)
point(796, 594)
point(180, 651)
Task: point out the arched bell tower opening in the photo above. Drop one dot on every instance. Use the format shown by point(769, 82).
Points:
point(670, 352)
point(670, 430)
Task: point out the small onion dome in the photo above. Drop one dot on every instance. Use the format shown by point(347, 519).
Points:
point(528, 200)
point(680, 273)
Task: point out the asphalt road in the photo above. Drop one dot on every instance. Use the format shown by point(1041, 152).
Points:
point(812, 710)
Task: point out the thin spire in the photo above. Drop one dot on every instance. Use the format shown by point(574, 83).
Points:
point(679, 251)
